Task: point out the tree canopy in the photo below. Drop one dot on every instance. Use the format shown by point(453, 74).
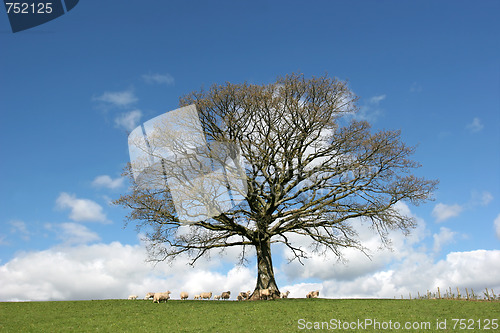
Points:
point(310, 168)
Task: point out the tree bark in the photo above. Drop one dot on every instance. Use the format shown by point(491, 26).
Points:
point(265, 272)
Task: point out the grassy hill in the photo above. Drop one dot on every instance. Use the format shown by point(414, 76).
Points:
point(289, 315)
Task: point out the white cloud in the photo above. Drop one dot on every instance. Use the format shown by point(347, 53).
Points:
point(496, 224)
point(445, 236)
point(468, 268)
point(419, 273)
point(475, 126)
point(19, 227)
point(409, 268)
point(116, 270)
point(73, 233)
point(118, 98)
point(157, 78)
point(82, 210)
point(358, 264)
point(108, 182)
point(376, 99)
point(128, 120)
point(103, 271)
point(443, 212)
point(82, 272)
point(370, 111)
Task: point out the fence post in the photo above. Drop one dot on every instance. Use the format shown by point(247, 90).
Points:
point(467, 292)
point(458, 294)
point(439, 294)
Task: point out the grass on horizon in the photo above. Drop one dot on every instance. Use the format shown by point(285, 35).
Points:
point(232, 316)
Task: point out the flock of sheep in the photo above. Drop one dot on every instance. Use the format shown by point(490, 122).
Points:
point(264, 294)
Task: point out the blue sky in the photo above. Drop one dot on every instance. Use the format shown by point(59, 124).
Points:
point(72, 88)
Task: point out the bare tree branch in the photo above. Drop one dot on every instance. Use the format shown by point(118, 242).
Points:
point(306, 174)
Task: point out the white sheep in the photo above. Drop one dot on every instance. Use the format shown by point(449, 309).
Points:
point(245, 295)
point(133, 297)
point(206, 295)
point(197, 296)
point(226, 295)
point(149, 296)
point(217, 297)
point(285, 295)
point(313, 294)
point(239, 298)
point(265, 293)
point(158, 297)
point(184, 295)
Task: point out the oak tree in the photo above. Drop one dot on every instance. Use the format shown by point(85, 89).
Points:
point(310, 168)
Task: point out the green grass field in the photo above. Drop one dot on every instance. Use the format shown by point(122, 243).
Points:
point(290, 315)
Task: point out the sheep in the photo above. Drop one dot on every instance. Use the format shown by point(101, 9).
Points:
point(265, 293)
point(239, 298)
point(184, 295)
point(158, 297)
point(226, 295)
point(285, 295)
point(133, 297)
point(245, 295)
point(206, 295)
point(149, 296)
point(217, 297)
point(313, 294)
point(197, 296)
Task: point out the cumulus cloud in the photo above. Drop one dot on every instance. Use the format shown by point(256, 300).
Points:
point(103, 271)
point(73, 233)
point(81, 210)
point(467, 268)
point(445, 236)
point(82, 272)
point(419, 273)
point(157, 78)
point(118, 98)
point(358, 264)
point(117, 270)
point(401, 272)
point(443, 212)
point(128, 120)
point(475, 126)
point(107, 182)
point(496, 225)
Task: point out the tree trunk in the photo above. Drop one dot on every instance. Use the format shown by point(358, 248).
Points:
point(265, 272)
